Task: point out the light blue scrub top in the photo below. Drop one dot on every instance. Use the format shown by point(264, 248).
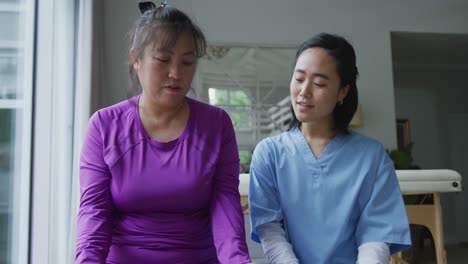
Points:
point(332, 204)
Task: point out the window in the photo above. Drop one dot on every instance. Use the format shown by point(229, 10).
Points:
point(235, 102)
point(16, 73)
point(252, 84)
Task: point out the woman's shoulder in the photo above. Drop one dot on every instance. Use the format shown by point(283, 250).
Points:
point(209, 116)
point(277, 143)
point(117, 109)
point(205, 108)
point(359, 141)
point(114, 115)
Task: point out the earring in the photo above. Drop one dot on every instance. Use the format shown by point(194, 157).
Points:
point(340, 102)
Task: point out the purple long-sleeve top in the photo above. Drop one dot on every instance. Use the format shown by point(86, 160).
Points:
point(144, 201)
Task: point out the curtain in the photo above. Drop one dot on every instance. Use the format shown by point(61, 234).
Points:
point(89, 77)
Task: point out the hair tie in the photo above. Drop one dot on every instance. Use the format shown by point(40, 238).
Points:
point(146, 6)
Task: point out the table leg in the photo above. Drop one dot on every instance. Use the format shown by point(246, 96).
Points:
point(439, 231)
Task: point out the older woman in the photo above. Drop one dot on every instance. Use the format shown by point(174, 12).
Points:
point(159, 172)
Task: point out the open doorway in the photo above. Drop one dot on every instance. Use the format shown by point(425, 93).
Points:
point(429, 74)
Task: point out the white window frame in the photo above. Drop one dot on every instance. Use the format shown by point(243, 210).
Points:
point(53, 131)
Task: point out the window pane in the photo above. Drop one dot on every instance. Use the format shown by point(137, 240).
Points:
point(239, 98)
point(217, 96)
point(7, 155)
point(10, 80)
point(235, 102)
point(241, 119)
point(10, 32)
point(16, 71)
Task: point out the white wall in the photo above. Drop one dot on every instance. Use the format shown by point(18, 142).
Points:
point(119, 18)
point(428, 96)
point(288, 23)
point(417, 98)
point(457, 132)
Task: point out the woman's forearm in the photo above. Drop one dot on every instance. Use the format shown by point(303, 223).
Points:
point(276, 247)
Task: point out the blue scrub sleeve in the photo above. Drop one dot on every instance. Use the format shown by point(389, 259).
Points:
point(264, 202)
point(383, 218)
